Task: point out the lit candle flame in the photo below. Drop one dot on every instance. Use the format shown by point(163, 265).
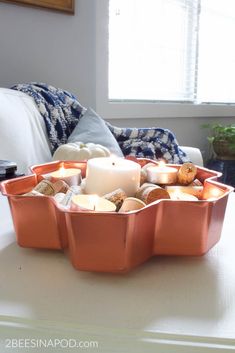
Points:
point(214, 193)
point(93, 199)
point(113, 159)
point(62, 171)
point(161, 163)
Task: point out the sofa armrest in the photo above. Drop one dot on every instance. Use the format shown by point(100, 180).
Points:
point(194, 155)
point(23, 137)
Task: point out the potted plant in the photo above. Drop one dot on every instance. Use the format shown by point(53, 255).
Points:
point(222, 139)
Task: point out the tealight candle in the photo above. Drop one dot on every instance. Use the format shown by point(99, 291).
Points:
point(91, 203)
point(195, 190)
point(131, 204)
point(72, 176)
point(212, 194)
point(162, 174)
point(182, 196)
point(107, 174)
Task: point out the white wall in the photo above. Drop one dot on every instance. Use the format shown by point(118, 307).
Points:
point(46, 46)
point(52, 47)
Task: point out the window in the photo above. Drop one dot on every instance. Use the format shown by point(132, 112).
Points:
point(166, 58)
point(216, 74)
point(157, 39)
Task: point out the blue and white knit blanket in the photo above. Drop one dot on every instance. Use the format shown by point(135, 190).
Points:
point(153, 143)
point(59, 108)
point(61, 112)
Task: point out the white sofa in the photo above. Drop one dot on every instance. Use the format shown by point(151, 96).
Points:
point(23, 137)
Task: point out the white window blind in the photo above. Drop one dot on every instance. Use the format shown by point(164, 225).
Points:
point(216, 75)
point(171, 50)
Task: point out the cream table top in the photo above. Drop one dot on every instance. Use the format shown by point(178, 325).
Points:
point(169, 304)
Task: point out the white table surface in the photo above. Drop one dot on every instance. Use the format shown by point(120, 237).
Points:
point(169, 304)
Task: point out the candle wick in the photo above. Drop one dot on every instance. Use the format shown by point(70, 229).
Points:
point(113, 163)
point(94, 208)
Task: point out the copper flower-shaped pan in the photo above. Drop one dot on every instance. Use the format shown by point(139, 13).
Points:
point(117, 242)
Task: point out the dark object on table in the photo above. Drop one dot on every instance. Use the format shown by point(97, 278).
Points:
point(227, 167)
point(8, 170)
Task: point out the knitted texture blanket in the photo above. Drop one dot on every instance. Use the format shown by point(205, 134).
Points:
point(61, 112)
point(59, 108)
point(153, 143)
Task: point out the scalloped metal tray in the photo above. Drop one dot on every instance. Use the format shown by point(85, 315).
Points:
point(117, 242)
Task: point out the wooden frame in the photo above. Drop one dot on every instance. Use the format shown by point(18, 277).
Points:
point(58, 5)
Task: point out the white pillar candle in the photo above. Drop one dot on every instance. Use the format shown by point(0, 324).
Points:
point(72, 176)
point(91, 203)
point(105, 175)
point(162, 174)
